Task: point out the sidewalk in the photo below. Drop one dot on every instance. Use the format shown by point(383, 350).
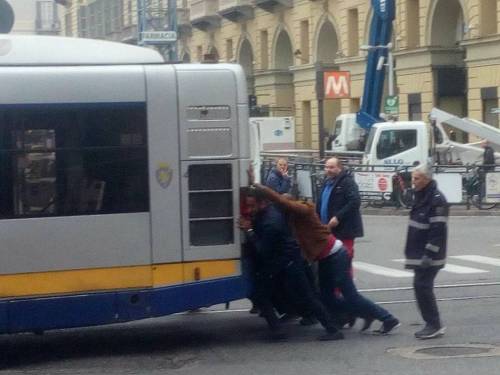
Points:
point(454, 211)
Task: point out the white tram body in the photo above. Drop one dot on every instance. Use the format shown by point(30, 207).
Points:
point(120, 178)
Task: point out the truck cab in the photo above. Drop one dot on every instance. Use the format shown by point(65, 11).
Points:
point(398, 143)
point(348, 135)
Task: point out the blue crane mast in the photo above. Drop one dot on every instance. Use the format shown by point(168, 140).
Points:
point(380, 36)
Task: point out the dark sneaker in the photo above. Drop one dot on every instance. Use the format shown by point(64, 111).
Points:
point(332, 336)
point(366, 324)
point(351, 321)
point(254, 310)
point(285, 318)
point(308, 321)
point(430, 332)
point(388, 326)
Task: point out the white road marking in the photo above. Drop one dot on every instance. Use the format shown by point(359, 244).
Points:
point(496, 245)
point(379, 270)
point(479, 259)
point(453, 268)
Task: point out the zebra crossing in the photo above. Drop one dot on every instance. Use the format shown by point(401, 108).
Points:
point(450, 267)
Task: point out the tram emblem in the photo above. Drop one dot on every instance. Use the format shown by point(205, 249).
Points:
point(164, 175)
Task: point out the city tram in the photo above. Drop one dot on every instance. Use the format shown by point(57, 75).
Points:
point(120, 182)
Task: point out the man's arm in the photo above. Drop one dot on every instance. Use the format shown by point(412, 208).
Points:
point(287, 204)
point(438, 221)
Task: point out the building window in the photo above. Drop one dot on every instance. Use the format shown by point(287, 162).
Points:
point(413, 23)
point(304, 42)
point(229, 49)
point(414, 107)
point(68, 24)
point(488, 17)
point(83, 27)
point(199, 53)
point(489, 100)
point(62, 160)
point(353, 31)
point(264, 50)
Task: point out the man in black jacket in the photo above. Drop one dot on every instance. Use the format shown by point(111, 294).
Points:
point(279, 260)
point(425, 249)
point(338, 204)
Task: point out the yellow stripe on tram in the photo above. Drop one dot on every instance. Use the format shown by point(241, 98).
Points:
point(102, 279)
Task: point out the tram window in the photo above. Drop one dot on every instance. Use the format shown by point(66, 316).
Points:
point(210, 204)
point(60, 160)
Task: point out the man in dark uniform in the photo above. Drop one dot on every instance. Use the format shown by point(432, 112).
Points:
point(279, 261)
point(425, 249)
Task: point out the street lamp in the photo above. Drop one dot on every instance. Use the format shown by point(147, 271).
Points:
point(381, 62)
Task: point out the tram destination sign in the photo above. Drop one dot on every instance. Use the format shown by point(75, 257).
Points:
point(158, 37)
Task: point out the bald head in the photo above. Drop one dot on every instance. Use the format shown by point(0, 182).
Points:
point(333, 167)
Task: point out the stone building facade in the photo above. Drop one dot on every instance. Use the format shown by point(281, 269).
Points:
point(446, 52)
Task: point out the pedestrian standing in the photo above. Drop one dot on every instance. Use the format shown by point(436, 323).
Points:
point(278, 178)
point(425, 249)
point(339, 204)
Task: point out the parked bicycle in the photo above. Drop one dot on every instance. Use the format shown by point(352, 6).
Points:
point(474, 189)
point(403, 193)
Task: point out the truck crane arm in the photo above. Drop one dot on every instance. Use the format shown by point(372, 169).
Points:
point(378, 50)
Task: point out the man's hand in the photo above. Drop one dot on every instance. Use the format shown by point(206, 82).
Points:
point(244, 224)
point(426, 261)
point(333, 222)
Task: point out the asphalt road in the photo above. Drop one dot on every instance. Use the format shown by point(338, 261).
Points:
point(231, 342)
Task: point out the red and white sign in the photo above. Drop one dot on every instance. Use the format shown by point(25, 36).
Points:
point(378, 182)
point(337, 85)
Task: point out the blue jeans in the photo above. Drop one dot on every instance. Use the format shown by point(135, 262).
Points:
point(333, 272)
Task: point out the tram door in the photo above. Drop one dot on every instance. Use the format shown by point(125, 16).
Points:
point(210, 173)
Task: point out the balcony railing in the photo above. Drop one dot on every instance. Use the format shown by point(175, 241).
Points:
point(236, 10)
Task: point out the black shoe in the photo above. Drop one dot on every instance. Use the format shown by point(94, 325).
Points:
point(430, 332)
point(285, 318)
point(254, 310)
point(388, 325)
point(308, 321)
point(332, 336)
point(367, 322)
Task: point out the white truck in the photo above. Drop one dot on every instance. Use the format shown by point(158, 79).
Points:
point(269, 134)
point(403, 143)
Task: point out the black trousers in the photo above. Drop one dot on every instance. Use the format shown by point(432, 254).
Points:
point(298, 288)
point(423, 284)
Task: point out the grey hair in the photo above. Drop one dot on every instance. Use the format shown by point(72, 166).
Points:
point(424, 169)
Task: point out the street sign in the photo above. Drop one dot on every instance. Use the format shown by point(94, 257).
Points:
point(391, 105)
point(336, 85)
point(158, 37)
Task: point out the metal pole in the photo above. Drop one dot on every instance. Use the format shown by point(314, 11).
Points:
point(321, 129)
point(172, 26)
point(141, 20)
point(390, 62)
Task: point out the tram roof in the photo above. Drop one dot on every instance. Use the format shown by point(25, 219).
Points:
point(37, 50)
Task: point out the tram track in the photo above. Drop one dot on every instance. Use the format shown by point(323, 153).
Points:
point(400, 295)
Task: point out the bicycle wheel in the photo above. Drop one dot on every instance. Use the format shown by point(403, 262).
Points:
point(405, 197)
point(480, 204)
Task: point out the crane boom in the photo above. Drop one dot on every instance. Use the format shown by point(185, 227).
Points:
point(380, 37)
